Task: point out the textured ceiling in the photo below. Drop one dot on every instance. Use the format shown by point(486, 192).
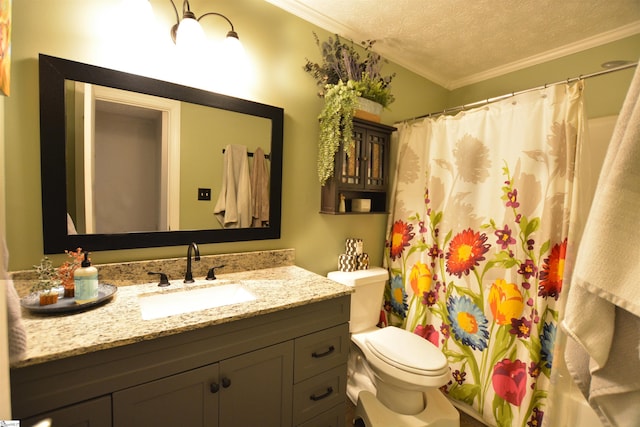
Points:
point(458, 42)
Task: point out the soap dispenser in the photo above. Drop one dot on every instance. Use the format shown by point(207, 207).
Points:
point(86, 282)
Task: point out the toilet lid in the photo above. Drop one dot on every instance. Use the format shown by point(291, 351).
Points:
point(407, 351)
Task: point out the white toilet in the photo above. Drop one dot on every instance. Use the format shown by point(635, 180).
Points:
point(393, 374)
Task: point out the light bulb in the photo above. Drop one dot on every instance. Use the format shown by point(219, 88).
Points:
point(190, 36)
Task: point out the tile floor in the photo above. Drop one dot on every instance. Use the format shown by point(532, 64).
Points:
point(465, 420)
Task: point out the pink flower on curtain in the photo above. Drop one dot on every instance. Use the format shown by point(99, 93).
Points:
point(510, 380)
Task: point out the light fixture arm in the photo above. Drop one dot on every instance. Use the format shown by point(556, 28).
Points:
point(187, 13)
point(231, 33)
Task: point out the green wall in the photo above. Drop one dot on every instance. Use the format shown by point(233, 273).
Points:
point(277, 43)
point(603, 94)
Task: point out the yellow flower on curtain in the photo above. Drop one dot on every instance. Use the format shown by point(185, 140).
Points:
point(420, 279)
point(506, 302)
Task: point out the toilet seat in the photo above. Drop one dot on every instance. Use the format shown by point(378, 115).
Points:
point(407, 352)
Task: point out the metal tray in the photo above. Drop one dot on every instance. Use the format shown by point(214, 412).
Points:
point(68, 305)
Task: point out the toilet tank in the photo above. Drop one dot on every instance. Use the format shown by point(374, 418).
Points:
point(366, 301)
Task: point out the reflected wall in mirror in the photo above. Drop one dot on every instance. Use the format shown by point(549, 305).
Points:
point(123, 157)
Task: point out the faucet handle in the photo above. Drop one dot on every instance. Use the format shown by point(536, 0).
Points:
point(164, 281)
point(211, 275)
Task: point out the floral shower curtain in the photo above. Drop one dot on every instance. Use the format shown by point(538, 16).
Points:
point(477, 242)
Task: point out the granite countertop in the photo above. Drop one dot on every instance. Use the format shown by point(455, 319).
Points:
point(119, 321)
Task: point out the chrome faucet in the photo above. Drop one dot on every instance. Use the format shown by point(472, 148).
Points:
point(188, 277)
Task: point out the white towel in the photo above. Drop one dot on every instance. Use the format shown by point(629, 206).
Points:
point(602, 316)
point(233, 208)
point(260, 189)
point(17, 333)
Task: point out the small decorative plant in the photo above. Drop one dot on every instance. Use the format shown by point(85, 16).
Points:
point(47, 282)
point(50, 278)
point(342, 77)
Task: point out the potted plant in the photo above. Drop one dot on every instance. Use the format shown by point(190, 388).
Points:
point(347, 81)
point(47, 283)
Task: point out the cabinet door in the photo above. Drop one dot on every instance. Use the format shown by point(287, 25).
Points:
point(364, 166)
point(375, 158)
point(92, 413)
point(257, 388)
point(188, 399)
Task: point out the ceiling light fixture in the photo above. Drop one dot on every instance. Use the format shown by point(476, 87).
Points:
point(187, 31)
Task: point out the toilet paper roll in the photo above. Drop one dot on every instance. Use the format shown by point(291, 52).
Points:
point(347, 262)
point(353, 246)
point(363, 261)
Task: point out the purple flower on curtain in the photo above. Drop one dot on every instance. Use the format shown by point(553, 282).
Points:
point(504, 237)
point(547, 341)
point(552, 272)
point(458, 376)
point(534, 370)
point(520, 327)
point(528, 269)
point(509, 380)
point(398, 297)
point(435, 252)
point(430, 298)
point(536, 418)
point(401, 235)
point(429, 333)
point(445, 330)
point(468, 323)
point(466, 250)
point(512, 199)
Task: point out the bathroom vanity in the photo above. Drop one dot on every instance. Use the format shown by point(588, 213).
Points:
point(278, 360)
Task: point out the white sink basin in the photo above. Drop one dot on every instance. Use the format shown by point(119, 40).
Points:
point(191, 298)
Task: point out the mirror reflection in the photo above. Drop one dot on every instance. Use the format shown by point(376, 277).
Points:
point(129, 161)
point(142, 163)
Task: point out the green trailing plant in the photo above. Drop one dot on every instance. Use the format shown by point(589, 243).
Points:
point(336, 125)
point(344, 74)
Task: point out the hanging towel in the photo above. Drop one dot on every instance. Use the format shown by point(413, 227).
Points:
point(260, 189)
point(233, 208)
point(602, 317)
point(17, 333)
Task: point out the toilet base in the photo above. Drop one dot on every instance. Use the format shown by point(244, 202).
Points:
point(439, 412)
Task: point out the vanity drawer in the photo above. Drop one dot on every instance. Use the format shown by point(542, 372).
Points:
point(316, 395)
point(320, 351)
point(334, 417)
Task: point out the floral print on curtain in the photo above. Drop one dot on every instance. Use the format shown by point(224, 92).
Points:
point(477, 242)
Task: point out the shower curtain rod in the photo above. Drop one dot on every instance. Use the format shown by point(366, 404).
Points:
point(509, 95)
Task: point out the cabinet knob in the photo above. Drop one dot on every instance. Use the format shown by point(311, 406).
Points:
point(214, 387)
point(226, 382)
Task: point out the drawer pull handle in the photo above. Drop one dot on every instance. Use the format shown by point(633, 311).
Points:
point(323, 395)
point(226, 382)
point(326, 353)
point(214, 387)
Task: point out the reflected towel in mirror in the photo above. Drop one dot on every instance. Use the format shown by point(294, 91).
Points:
point(233, 208)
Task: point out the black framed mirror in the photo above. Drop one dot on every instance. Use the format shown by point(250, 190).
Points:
point(57, 75)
